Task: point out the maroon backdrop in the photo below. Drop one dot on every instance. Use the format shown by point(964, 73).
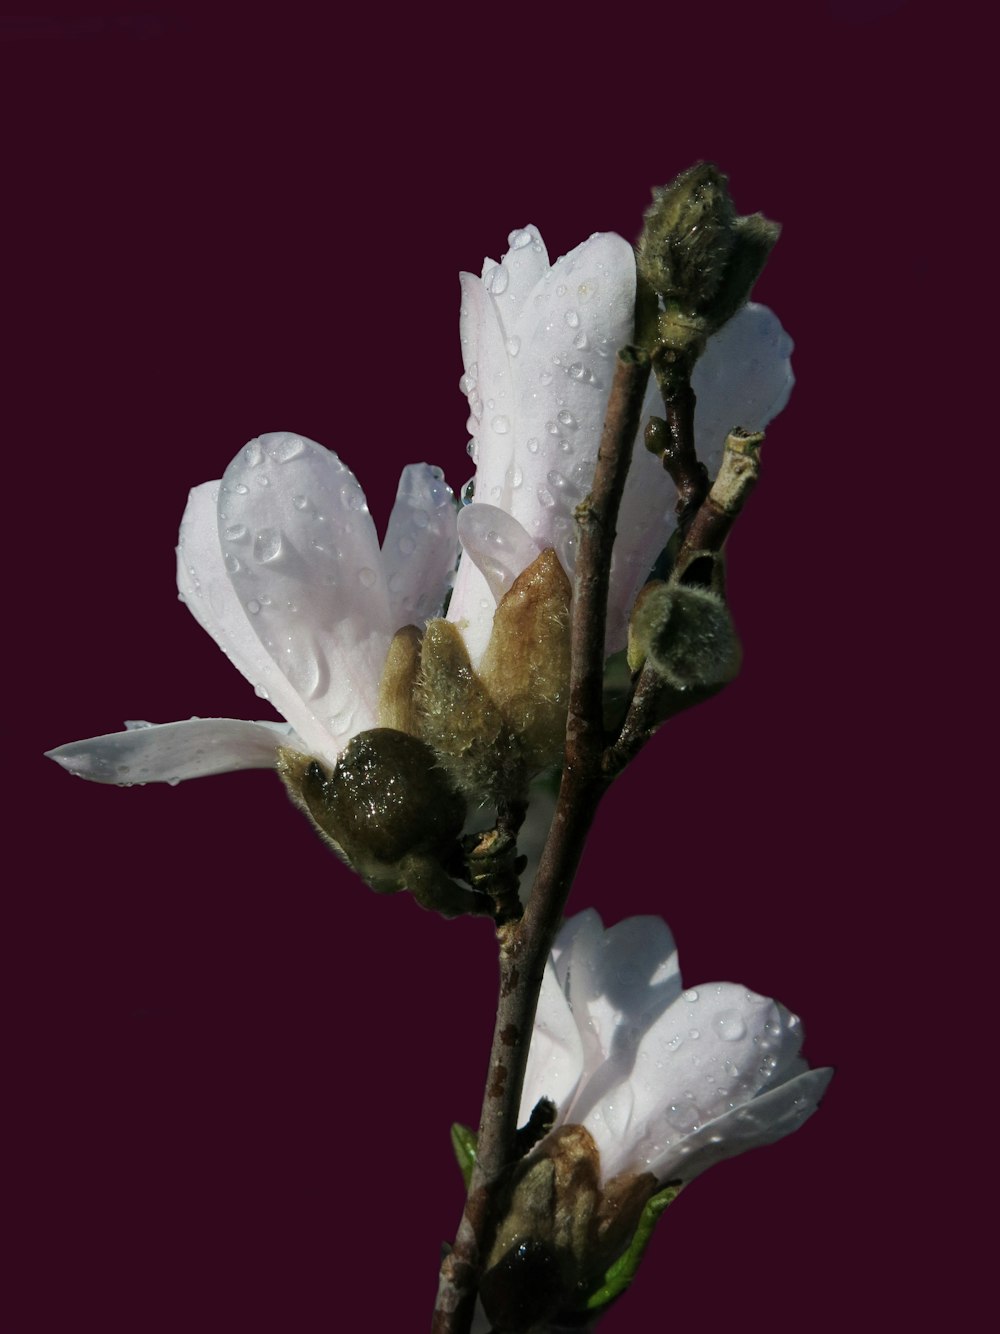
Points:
point(234, 1068)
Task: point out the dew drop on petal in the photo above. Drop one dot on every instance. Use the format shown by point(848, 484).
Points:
point(691, 995)
point(519, 238)
point(267, 545)
point(241, 490)
point(572, 319)
point(546, 377)
point(501, 425)
point(286, 450)
point(532, 445)
point(567, 419)
point(496, 280)
point(407, 546)
point(730, 1025)
point(237, 532)
point(468, 492)
point(545, 497)
point(577, 371)
point(232, 564)
point(366, 576)
point(300, 502)
point(513, 345)
point(254, 453)
point(253, 606)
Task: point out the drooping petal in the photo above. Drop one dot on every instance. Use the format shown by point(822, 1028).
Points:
point(769, 1117)
point(421, 546)
point(555, 1058)
point(171, 752)
point(208, 593)
point(714, 1048)
point(301, 550)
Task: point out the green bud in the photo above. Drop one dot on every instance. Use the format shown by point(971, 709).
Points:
point(686, 634)
point(388, 809)
point(700, 256)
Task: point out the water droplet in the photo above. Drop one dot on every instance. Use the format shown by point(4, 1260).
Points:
point(286, 450)
point(513, 345)
point(241, 490)
point(691, 995)
point(694, 1034)
point(501, 425)
point(496, 280)
point(237, 532)
point(580, 341)
point(407, 546)
point(468, 491)
point(567, 419)
point(532, 445)
point(577, 371)
point(232, 564)
point(261, 691)
point(253, 453)
point(253, 606)
point(546, 377)
point(172, 782)
point(556, 480)
point(545, 497)
point(300, 502)
point(515, 476)
point(561, 289)
point(730, 1025)
point(367, 576)
point(519, 238)
point(267, 545)
point(572, 319)
point(263, 479)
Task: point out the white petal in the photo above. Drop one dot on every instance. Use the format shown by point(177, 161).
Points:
point(555, 1058)
point(303, 556)
point(497, 544)
point(617, 988)
point(744, 379)
point(471, 608)
point(420, 550)
point(208, 593)
point(578, 316)
point(522, 267)
point(767, 1118)
point(170, 752)
point(715, 1046)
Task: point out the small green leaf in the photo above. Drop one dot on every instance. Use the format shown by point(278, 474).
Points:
point(464, 1141)
point(623, 1271)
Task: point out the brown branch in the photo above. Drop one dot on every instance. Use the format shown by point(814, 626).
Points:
point(673, 439)
point(525, 945)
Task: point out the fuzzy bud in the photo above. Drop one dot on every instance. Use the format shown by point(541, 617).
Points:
point(686, 634)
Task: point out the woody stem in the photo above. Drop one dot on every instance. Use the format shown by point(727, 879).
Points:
point(525, 945)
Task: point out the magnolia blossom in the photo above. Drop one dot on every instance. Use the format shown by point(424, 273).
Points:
point(281, 564)
point(539, 346)
point(665, 1080)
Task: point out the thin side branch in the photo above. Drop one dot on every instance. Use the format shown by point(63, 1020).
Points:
point(525, 945)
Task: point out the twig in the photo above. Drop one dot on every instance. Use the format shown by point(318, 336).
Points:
point(525, 945)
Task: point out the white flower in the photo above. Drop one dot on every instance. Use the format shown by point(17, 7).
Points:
point(281, 564)
point(539, 347)
point(280, 561)
point(665, 1080)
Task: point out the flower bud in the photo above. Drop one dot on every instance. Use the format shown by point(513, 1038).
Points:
point(686, 634)
point(700, 256)
point(386, 802)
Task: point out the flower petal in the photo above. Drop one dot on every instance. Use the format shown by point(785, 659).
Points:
point(207, 591)
point(303, 556)
point(767, 1118)
point(171, 752)
point(743, 379)
point(714, 1048)
point(555, 1058)
point(573, 324)
point(497, 544)
point(420, 550)
point(513, 280)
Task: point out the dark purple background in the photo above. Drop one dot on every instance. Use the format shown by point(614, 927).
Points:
point(234, 1068)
